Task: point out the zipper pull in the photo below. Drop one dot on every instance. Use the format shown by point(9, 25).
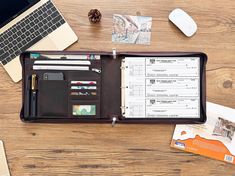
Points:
point(114, 53)
point(96, 70)
point(114, 121)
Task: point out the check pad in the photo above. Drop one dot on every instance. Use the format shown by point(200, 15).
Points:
point(161, 87)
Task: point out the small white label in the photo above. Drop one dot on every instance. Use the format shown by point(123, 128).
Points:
point(228, 158)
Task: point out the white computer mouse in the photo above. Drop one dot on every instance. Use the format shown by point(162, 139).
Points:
point(183, 21)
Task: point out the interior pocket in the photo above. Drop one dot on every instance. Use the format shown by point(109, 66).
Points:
point(84, 109)
point(53, 98)
point(84, 87)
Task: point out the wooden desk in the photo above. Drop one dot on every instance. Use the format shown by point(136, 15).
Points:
point(95, 149)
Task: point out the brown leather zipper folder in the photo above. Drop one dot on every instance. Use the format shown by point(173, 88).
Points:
point(127, 87)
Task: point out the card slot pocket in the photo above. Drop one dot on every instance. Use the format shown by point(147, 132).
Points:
point(84, 84)
point(84, 91)
point(79, 88)
point(85, 81)
point(52, 98)
point(84, 109)
point(83, 94)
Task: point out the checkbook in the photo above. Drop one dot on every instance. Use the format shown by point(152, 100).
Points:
point(123, 87)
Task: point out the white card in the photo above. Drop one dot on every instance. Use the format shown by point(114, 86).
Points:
point(62, 62)
point(60, 67)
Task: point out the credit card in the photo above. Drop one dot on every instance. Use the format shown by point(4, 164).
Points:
point(83, 82)
point(83, 87)
point(84, 93)
point(84, 110)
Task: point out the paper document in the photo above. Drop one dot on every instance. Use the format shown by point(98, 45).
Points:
point(215, 138)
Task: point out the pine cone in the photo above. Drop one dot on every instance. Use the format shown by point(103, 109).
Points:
point(94, 16)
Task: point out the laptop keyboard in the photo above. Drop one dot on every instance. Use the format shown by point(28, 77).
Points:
point(29, 31)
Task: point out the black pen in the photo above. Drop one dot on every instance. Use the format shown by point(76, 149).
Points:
point(33, 101)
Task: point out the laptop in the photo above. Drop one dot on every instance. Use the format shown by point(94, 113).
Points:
point(30, 25)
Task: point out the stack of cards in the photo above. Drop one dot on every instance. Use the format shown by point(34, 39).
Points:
point(82, 90)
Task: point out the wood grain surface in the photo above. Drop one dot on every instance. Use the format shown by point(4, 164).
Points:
point(99, 149)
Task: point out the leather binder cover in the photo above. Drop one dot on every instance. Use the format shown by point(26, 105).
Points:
point(54, 102)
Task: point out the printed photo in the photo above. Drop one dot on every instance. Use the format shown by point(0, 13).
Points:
point(132, 29)
point(224, 128)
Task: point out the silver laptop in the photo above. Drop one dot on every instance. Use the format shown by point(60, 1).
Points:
point(30, 25)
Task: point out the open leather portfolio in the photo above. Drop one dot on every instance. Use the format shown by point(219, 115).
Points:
point(159, 87)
